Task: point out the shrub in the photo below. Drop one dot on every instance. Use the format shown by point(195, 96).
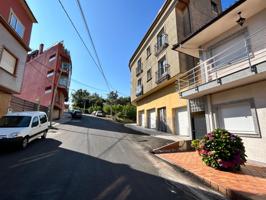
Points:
point(221, 150)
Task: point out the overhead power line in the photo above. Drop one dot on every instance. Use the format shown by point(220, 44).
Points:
point(83, 42)
point(72, 79)
point(93, 44)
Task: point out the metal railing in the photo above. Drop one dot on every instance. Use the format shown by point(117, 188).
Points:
point(66, 67)
point(242, 54)
point(162, 74)
point(162, 45)
point(63, 82)
point(139, 90)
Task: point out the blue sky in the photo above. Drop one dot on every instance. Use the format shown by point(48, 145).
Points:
point(117, 27)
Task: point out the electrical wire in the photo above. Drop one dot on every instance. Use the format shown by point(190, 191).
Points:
point(83, 42)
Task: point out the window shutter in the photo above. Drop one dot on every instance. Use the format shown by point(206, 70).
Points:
point(8, 62)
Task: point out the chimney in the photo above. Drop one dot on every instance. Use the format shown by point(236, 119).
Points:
point(41, 48)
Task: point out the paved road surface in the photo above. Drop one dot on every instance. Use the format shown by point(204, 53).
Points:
point(88, 159)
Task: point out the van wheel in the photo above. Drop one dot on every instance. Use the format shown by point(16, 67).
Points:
point(44, 134)
point(25, 143)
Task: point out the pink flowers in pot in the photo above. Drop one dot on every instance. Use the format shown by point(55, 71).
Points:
point(221, 150)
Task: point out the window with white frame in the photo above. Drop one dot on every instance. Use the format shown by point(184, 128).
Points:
point(16, 24)
point(238, 117)
point(8, 61)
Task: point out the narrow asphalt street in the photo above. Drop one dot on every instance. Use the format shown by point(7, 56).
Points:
point(92, 158)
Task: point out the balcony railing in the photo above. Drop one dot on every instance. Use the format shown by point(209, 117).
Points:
point(240, 55)
point(159, 47)
point(162, 74)
point(66, 67)
point(64, 82)
point(139, 90)
point(139, 69)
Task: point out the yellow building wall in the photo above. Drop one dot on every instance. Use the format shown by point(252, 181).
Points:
point(166, 97)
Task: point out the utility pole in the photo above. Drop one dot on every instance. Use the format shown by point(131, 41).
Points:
point(53, 99)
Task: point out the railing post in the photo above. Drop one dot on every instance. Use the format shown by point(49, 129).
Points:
point(205, 72)
point(194, 78)
point(246, 45)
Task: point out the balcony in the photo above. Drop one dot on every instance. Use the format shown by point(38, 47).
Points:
point(241, 63)
point(66, 67)
point(139, 90)
point(63, 82)
point(139, 69)
point(163, 73)
point(162, 44)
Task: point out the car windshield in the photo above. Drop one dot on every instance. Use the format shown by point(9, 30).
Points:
point(15, 121)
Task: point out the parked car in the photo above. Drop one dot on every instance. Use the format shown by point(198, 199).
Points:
point(93, 113)
point(76, 114)
point(23, 127)
point(100, 113)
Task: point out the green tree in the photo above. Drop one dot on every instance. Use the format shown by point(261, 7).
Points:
point(80, 98)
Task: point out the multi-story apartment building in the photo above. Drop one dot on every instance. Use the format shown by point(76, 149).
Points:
point(227, 89)
point(16, 20)
point(47, 76)
point(154, 65)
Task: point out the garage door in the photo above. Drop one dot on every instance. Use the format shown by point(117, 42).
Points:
point(152, 119)
point(141, 119)
point(182, 127)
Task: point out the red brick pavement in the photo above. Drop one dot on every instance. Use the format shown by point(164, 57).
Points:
point(249, 183)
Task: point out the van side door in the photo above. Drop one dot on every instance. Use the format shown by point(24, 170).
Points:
point(44, 122)
point(35, 129)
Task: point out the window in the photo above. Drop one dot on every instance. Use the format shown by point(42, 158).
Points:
point(48, 90)
point(238, 117)
point(161, 39)
point(149, 76)
point(16, 24)
point(35, 122)
point(139, 82)
point(230, 50)
point(8, 62)
point(139, 67)
point(52, 57)
point(50, 73)
point(43, 119)
point(214, 7)
point(148, 51)
point(162, 66)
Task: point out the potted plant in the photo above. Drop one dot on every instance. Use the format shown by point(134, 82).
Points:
point(221, 150)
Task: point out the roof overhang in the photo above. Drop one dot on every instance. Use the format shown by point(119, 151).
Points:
point(219, 25)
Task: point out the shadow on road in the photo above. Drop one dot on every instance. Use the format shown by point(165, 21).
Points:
point(47, 171)
point(102, 124)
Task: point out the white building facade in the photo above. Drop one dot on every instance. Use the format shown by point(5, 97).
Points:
point(227, 89)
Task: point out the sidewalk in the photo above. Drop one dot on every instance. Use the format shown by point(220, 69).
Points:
point(249, 183)
point(64, 119)
point(156, 133)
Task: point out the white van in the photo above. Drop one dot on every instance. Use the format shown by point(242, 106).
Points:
point(23, 127)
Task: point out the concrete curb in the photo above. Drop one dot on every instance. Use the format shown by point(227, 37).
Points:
point(228, 193)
